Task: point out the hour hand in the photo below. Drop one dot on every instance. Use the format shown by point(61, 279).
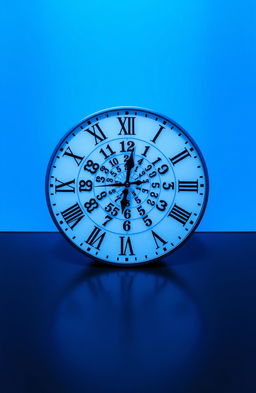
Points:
point(139, 182)
point(124, 201)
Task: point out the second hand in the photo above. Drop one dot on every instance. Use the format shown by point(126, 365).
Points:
point(137, 183)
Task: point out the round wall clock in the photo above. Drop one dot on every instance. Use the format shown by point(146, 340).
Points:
point(127, 185)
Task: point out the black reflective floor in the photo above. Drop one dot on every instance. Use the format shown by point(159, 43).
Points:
point(186, 325)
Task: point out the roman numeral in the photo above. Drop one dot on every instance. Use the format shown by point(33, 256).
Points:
point(157, 134)
point(68, 186)
point(96, 238)
point(110, 152)
point(126, 245)
point(97, 132)
point(127, 125)
point(188, 186)
point(185, 153)
point(77, 158)
point(73, 215)
point(180, 214)
point(157, 239)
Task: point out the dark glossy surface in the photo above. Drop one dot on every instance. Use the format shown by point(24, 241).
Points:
point(186, 325)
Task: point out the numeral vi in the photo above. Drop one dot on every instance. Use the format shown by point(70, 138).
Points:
point(126, 246)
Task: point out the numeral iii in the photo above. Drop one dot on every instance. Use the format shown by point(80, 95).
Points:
point(188, 186)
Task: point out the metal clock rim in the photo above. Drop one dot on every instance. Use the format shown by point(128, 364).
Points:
point(114, 109)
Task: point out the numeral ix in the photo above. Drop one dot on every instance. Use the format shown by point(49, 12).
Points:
point(68, 186)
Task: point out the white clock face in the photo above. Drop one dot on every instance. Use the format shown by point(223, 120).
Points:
point(127, 186)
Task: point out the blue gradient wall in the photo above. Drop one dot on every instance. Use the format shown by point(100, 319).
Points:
point(193, 61)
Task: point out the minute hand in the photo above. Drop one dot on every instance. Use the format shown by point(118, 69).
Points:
point(129, 166)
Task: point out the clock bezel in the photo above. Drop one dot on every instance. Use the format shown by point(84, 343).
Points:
point(138, 109)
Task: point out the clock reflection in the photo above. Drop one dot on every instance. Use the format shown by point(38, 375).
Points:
point(126, 330)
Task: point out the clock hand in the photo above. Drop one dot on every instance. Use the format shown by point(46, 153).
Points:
point(137, 183)
point(112, 185)
point(124, 200)
point(129, 165)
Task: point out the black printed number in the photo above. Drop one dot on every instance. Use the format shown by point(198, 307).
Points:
point(91, 205)
point(111, 209)
point(91, 166)
point(167, 186)
point(85, 185)
point(102, 195)
point(161, 205)
point(127, 225)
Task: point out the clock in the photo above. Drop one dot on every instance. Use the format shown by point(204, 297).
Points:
point(127, 185)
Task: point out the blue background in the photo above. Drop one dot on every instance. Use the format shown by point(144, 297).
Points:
point(192, 61)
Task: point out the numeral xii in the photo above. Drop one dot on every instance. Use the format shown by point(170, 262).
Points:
point(127, 125)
